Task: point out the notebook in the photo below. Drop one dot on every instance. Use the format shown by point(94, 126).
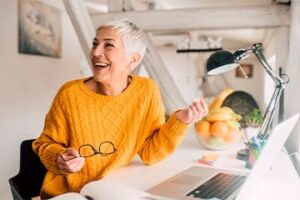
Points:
point(207, 183)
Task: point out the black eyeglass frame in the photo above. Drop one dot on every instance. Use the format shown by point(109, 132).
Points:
point(99, 149)
point(94, 150)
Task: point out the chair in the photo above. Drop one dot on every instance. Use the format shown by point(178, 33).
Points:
point(27, 183)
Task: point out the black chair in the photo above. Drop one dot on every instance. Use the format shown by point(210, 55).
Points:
point(27, 183)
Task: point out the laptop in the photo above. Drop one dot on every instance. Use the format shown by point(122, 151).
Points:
point(206, 183)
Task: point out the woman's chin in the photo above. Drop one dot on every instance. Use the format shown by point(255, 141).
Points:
point(102, 77)
point(99, 79)
point(100, 69)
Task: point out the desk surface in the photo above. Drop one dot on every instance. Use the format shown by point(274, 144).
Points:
point(144, 177)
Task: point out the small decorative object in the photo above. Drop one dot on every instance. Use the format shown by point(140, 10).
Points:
point(254, 118)
point(245, 70)
point(39, 29)
point(208, 159)
point(255, 148)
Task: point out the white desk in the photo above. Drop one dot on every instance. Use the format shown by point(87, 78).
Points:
point(144, 177)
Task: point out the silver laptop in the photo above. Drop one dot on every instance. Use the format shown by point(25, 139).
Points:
point(189, 184)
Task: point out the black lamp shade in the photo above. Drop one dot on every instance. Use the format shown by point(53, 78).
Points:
point(220, 62)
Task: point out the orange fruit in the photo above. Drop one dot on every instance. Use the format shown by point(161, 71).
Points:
point(203, 128)
point(233, 137)
point(219, 129)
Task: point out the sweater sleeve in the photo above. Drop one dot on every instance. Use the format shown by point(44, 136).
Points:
point(54, 138)
point(162, 137)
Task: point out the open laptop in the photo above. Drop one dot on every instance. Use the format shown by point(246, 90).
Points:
point(196, 182)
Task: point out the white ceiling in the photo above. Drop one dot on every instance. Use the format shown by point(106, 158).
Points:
point(231, 39)
point(182, 4)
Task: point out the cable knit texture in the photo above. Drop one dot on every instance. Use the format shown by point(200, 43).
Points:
point(133, 121)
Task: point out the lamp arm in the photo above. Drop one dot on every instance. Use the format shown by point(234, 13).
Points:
point(269, 113)
point(279, 87)
point(257, 50)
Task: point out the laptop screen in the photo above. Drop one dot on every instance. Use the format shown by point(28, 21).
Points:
point(271, 149)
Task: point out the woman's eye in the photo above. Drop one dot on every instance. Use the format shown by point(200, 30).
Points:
point(94, 44)
point(109, 45)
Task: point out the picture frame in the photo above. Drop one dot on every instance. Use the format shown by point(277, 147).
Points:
point(247, 68)
point(39, 29)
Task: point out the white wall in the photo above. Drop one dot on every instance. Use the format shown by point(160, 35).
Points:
point(183, 70)
point(292, 94)
point(28, 84)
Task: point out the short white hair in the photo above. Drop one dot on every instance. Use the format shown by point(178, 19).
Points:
point(133, 36)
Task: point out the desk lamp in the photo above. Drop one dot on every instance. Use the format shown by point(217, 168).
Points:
point(224, 61)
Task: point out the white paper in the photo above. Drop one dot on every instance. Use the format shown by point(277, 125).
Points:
point(112, 190)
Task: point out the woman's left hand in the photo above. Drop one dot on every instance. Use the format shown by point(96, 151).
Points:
point(196, 111)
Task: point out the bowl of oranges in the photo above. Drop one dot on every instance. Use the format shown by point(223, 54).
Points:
point(219, 129)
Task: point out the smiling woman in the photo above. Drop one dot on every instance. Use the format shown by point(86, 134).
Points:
point(115, 52)
point(111, 66)
point(110, 110)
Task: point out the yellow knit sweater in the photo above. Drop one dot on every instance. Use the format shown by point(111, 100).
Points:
point(133, 121)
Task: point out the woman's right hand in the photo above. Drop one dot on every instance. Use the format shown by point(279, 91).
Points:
point(70, 161)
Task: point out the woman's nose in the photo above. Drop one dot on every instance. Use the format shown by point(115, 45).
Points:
point(97, 51)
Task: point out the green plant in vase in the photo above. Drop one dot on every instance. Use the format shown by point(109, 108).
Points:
point(254, 118)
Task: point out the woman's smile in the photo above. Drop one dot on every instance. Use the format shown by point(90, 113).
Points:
point(102, 65)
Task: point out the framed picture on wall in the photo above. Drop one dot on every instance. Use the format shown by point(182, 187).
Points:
point(247, 69)
point(39, 29)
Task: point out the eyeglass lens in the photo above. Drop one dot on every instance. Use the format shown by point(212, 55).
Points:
point(105, 149)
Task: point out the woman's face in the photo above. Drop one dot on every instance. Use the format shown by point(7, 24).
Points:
point(108, 57)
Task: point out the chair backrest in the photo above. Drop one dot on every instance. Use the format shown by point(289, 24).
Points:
point(27, 183)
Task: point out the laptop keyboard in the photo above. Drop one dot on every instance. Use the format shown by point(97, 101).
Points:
point(219, 186)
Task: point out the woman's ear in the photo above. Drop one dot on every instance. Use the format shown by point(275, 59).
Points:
point(134, 60)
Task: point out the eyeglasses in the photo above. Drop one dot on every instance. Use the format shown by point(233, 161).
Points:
point(105, 148)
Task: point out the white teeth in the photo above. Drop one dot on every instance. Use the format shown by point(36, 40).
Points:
point(101, 65)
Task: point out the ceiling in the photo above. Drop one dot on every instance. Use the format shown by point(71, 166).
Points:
point(183, 4)
point(229, 39)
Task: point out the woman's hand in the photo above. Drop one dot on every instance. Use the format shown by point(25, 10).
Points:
point(70, 161)
point(196, 111)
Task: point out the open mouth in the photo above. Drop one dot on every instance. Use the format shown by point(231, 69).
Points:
point(101, 65)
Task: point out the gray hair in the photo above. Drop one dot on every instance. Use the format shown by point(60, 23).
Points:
point(133, 36)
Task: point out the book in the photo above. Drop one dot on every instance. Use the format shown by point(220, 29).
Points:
point(107, 190)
